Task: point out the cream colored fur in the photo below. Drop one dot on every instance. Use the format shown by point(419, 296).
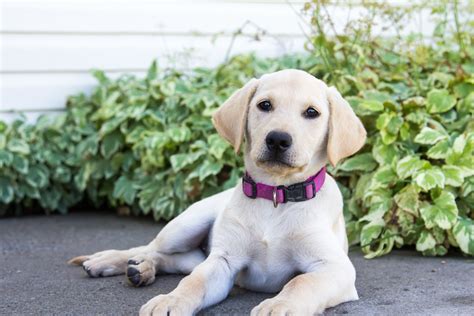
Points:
point(298, 250)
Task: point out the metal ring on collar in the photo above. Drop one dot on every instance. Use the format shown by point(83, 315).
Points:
point(275, 202)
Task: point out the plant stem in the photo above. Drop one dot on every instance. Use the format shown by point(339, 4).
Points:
point(462, 48)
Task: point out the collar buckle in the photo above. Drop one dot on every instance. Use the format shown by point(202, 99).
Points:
point(297, 192)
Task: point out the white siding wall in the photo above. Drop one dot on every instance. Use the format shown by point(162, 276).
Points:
point(49, 46)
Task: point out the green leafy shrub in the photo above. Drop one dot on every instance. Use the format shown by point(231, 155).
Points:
point(139, 144)
point(147, 145)
point(36, 166)
point(412, 184)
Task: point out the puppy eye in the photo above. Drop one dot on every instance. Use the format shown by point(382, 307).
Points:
point(265, 106)
point(311, 113)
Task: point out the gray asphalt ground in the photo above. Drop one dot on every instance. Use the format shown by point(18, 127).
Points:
point(35, 279)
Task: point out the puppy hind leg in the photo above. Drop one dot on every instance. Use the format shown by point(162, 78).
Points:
point(183, 234)
point(181, 263)
point(187, 231)
point(180, 237)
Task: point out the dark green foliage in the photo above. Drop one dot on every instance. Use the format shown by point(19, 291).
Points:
point(148, 145)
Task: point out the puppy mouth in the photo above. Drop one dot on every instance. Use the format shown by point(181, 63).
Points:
point(281, 168)
point(275, 160)
point(274, 164)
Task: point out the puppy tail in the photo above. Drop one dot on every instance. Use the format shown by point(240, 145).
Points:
point(78, 260)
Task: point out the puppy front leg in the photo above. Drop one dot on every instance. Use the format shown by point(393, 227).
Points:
point(208, 284)
point(325, 284)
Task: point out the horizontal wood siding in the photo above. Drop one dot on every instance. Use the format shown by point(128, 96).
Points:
point(49, 46)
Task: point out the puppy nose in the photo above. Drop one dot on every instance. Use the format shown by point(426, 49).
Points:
point(278, 141)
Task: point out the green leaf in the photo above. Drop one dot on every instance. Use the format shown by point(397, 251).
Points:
point(394, 125)
point(30, 191)
point(429, 179)
point(467, 187)
point(209, 168)
point(407, 166)
point(360, 162)
point(100, 76)
point(407, 199)
point(88, 147)
point(180, 161)
point(387, 138)
point(156, 140)
point(217, 146)
point(414, 102)
point(429, 136)
point(443, 213)
point(383, 120)
point(439, 151)
point(112, 124)
point(179, 134)
point(135, 135)
point(37, 176)
point(384, 154)
point(390, 58)
point(6, 190)
point(168, 88)
point(62, 174)
point(152, 72)
point(462, 90)
point(371, 105)
point(6, 158)
point(384, 175)
point(371, 231)
point(441, 77)
point(453, 175)
point(377, 211)
point(124, 189)
point(440, 101)
point(425, 242)
point(111, 144)
point(416, 117)
point(381, 246)
point(404, 132)
point(18, 146)
point(82, 177)
point(459, 144)
point(138, 99)
point(3, 127)
point(20, 164)
point(463, 232)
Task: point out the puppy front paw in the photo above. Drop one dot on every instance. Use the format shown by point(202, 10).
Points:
point(279, 307)
point(167, 305)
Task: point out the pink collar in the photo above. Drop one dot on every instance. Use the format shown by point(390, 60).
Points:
point(297, 192)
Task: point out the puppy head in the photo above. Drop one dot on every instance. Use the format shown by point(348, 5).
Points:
point(293, 125)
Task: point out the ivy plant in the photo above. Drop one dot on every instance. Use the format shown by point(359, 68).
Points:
point(146, 145)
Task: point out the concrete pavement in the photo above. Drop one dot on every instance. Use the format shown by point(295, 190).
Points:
point(35, 279)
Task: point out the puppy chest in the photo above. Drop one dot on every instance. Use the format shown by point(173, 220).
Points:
point(271, 242)
point(269, 268)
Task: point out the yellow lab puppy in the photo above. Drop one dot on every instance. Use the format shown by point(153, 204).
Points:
point(281, 229)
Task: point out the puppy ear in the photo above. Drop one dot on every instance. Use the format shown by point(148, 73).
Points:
point(346, 133)
point(231, 118)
